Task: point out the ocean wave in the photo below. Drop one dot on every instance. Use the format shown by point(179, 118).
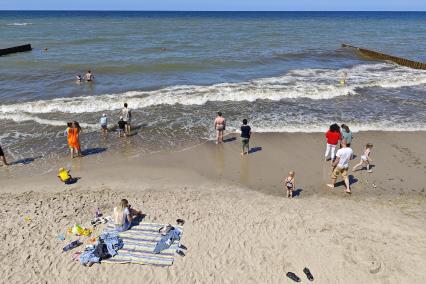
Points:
point(315, 84)
point(21, 117)
point(19, 24)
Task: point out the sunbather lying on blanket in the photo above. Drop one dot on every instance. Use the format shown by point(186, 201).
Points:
point(124, 215)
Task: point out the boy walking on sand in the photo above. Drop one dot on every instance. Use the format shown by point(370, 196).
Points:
point(341, 166)
point(245, 137)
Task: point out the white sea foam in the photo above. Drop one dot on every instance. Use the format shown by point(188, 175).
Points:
point(21, 117)
point(19, 24)
point(313, 84)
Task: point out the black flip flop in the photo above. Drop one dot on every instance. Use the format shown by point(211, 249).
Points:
point(308, 274)
point(293, 276)
point(180, 222)
point(181, 253)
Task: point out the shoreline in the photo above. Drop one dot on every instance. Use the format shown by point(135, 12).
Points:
point(399, 156)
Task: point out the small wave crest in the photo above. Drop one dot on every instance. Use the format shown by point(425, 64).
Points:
point(21, 117)
point(19, 24)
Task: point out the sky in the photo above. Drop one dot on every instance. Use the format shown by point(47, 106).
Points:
point(217, 5)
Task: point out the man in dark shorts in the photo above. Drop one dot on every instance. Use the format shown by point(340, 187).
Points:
point(245, 137)
point(3, 158)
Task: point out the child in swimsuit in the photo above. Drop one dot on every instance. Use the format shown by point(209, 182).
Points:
point(290, 184)
point(365, 158)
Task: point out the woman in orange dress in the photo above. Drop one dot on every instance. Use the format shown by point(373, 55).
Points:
point(73, 141)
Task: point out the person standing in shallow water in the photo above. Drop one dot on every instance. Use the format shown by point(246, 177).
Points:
point(219, 126)
point(127, 118)
point(89, 76)
point(2, 156)
point(245, 137)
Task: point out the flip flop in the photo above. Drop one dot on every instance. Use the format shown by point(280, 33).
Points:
point(181, 253)
point(293, 276)
point(308, 274)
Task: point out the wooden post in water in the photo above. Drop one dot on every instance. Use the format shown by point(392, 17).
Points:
point(21, 48)
point(382, 56)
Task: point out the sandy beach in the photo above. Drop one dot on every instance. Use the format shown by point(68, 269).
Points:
point(239, 227)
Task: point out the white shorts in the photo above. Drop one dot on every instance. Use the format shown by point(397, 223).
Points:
point(364, 158)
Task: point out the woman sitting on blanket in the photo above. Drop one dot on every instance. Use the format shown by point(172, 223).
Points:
point(124, 215)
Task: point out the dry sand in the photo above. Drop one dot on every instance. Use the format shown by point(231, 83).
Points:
point(239, 226)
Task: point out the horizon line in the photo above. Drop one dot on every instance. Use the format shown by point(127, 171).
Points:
point(245, 11)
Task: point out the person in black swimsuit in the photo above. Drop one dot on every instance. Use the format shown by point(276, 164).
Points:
point(3, 158)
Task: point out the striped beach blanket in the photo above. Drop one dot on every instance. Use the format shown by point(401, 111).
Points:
point(139, 244)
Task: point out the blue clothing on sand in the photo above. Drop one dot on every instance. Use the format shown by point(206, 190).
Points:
point(112, 242)
point(167, 240)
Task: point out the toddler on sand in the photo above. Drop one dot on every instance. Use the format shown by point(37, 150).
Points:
point(290, 184)
point(365, 158)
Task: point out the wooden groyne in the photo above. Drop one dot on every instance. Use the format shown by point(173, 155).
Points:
point(21, 48)
point(382, 56)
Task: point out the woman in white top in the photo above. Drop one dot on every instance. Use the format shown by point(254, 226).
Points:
point(124, 215)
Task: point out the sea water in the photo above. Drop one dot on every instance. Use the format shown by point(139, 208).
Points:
point(280, 70)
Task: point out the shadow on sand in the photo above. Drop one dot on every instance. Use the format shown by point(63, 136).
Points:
point(25, 161)
point(296, 193)
point(230, 139)
point(93, 151)
point(255, 149)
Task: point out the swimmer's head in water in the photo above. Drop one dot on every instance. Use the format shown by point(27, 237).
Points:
point(245, 121)
point(125, 104)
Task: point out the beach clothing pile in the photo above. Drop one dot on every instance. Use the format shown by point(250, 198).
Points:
point(107, 246)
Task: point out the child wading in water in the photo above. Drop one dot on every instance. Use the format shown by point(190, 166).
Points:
point(290, 184)
point(365, 158)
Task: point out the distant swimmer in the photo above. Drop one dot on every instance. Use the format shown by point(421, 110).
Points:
point(89, 76)
point(343, 80)
point(79, 79)
point(46, 49)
